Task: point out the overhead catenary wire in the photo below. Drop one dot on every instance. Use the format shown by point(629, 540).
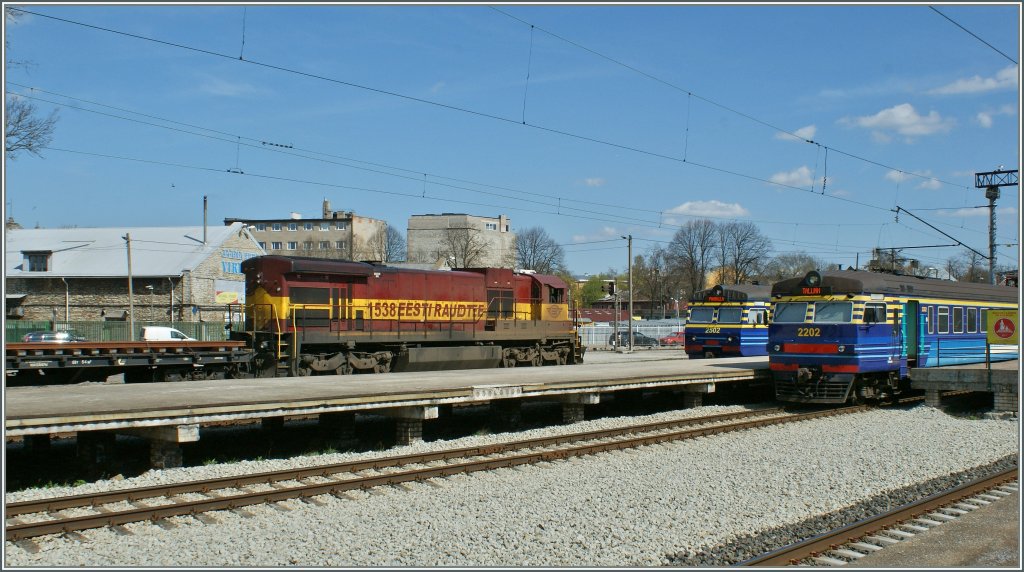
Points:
point(538, 127)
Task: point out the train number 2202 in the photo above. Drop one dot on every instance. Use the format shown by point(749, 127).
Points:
point(808, 332)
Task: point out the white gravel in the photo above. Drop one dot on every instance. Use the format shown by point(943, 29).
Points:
point(624, 509)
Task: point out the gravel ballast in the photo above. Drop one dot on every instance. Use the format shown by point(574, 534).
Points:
point(686, 503)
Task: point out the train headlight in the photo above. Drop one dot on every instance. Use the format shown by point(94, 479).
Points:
point(777, 348)
point(842, 349)
point(729, 339)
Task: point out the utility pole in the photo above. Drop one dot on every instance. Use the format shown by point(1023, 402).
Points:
point(131, 299)
point(630, 266)
point(991, 182)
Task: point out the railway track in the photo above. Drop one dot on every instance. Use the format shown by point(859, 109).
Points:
point(29, 519)
point(854, 541)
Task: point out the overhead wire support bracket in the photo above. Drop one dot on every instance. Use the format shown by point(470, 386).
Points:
point(958, 243)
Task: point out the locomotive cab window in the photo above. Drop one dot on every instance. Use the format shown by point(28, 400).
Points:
point(757, 316)
point(833, 312)
point(791, 312)
point(701, 315)
point(556, 296)
point(729, 315)
point(874, 313)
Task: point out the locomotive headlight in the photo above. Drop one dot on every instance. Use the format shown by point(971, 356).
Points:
point(729, 339)
point(842, 349)
point(777, 348)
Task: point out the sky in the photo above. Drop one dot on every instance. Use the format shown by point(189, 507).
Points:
point(833, 128)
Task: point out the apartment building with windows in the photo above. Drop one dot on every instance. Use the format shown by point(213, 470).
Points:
point(340, 235)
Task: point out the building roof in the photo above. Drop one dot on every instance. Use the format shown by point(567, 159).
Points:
point(102, 252)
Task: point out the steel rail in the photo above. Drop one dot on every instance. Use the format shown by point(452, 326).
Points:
point(794, 553)
point(18, 531)
point(203, 486)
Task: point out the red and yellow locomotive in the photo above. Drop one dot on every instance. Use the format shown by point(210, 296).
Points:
point(310, 316)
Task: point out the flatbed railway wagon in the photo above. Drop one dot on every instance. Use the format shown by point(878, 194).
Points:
point(728, 320)
point(53, 363)
point(852, 336)
point(309, 316)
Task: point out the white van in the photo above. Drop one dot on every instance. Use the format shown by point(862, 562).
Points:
point(163, 334)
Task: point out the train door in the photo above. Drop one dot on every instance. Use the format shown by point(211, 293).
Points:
point(341, 302)
point(912, 331)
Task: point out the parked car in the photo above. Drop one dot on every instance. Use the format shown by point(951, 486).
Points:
point(52, 337)
point(673, 339)
point(164, 334)
point(638, 340)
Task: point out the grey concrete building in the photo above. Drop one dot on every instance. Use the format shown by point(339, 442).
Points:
point(462, 240)
point(336, 234)
point(184, 273)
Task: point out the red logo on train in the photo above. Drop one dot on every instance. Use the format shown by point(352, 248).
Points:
point(1004, 328)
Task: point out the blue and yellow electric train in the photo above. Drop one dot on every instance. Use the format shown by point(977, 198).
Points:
point(728, 320)
point(849, 336)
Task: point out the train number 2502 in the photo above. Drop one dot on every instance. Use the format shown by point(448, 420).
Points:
point(808, 332)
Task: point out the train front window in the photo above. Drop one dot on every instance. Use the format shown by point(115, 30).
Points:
point(729, 315)
point(833, 312)
point(790, 312)
point(701, 315)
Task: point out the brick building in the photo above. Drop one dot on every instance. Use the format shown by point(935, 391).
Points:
point(184, 273)
point(338, 235)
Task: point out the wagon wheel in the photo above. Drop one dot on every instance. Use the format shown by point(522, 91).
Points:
point(507, 360)
point(344, 369)
point(382, 367)
point(538, 360)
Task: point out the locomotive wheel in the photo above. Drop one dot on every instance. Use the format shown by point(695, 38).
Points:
point(297, 369)
point(507, 360)
point(344, 369)
point(537, 361)
point(264, 365)
point(382, 368)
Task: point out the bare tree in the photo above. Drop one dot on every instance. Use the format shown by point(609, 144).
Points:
point(791, 265)
point(463, 247)
point(387, 246)
point(24, 128)
point(536, 250)
point(690, 252)
point(740, 250)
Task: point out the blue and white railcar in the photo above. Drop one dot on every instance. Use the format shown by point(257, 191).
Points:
point(728, 320)
point(854, 335)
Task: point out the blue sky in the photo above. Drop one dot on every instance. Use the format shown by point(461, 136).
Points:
point(592, 122)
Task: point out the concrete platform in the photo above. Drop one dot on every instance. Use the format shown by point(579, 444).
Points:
point(1002, 380)
point(176, 409)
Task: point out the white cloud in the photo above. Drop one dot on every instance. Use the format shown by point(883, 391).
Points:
point(929, 182)
point(802, 134)
point(987, 118)
point(710, 208)
point(1005, 78)
point(897, 176)
point(593, 182)
point(437, 87)
point(978, 212)
point(902, 119)
point(800, 177)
